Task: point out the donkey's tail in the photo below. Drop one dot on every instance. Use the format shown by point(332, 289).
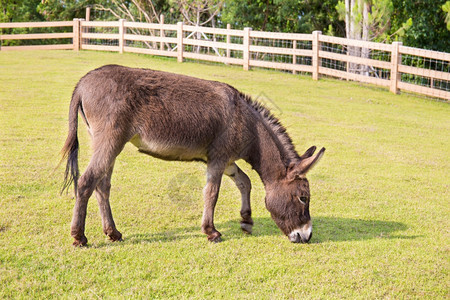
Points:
point(70, 149)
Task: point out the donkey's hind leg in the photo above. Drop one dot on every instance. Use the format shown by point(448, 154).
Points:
point(99, 166)
point(244, 185)
point(102, 192)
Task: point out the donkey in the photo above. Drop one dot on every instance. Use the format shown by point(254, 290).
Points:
point(176, 117)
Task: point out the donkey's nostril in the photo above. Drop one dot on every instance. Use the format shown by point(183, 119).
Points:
point(295, 237)
point(307, 239)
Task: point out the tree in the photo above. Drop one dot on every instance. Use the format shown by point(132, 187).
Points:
point(321, 15)
point(148, 11)
point(367, 19)
point(284, 15)
point(428, 30)
point(446, 8)
point(198, 12)
point(63, 9)
point(19, 11)
point(259, 14)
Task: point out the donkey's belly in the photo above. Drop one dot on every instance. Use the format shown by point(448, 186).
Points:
point(168, 151)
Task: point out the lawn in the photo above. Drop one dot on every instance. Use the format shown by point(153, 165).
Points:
point(380, 199)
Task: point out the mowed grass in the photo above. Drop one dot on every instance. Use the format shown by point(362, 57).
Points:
point(380, 199)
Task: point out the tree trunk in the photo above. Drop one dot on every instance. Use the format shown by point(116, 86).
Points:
point(353, 33)
point(347, 18)
point(365, 36)
point(197, 24)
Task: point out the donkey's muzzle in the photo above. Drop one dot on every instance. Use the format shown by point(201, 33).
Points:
point(301, 235)
point(297, 238)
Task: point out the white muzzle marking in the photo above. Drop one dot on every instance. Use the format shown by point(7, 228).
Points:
point(302, 234)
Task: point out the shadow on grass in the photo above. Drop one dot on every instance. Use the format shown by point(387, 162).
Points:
point(326, 229)
point(336, 229)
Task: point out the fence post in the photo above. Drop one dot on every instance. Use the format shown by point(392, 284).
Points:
point(315, 57)
point(88, 13)
point(161, 32)
point(228, 42)
point(395, 60)
point(76, 34)
point(246, 54)
point(121, 35)
point(294, 57)
point(180, 41)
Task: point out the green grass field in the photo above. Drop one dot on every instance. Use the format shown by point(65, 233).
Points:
point(380, 198)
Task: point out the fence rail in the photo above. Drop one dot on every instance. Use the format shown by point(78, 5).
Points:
point(390, 65)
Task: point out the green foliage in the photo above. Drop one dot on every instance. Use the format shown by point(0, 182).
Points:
point(63, 10)
point(32, 10)
point(341, 10)
point(419, 23)
point(446, 8)
point(376, 21)
point(428, 30)
point(379, 16)
point(19, 11)
point(136, 10)
point(320, 15)
point(379, 196)
point(283, 16)
point(260, 14)
point(405, 26)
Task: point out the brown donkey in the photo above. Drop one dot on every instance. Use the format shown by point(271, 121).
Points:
point(176, 117)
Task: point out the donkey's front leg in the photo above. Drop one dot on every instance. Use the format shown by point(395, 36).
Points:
point(102, 194)
point(244, 185)
point(210, 195)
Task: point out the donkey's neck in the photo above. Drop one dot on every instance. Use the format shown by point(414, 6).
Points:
point(264, 157)
point(267, 155)
point(271, 151)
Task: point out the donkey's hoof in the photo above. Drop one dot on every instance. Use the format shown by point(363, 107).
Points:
point(246, 228)
point(216, 240)
point(215, 237)
point(80, 242)
point(116, 236)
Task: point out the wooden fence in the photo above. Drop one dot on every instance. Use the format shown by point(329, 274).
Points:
point(38, 36)
point(390, 65)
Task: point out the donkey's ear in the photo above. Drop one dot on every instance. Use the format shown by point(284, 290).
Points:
point(308, 152)
point(307, 164)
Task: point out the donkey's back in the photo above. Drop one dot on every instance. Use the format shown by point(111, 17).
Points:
point(165, 115)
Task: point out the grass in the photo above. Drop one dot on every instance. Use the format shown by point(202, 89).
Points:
point(380, 201)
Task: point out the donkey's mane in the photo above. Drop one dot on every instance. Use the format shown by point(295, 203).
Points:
point(281, 137)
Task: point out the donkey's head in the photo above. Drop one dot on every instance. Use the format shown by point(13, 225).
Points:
point(288, 199)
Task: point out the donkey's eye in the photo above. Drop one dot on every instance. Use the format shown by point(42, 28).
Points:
point(303, 200)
